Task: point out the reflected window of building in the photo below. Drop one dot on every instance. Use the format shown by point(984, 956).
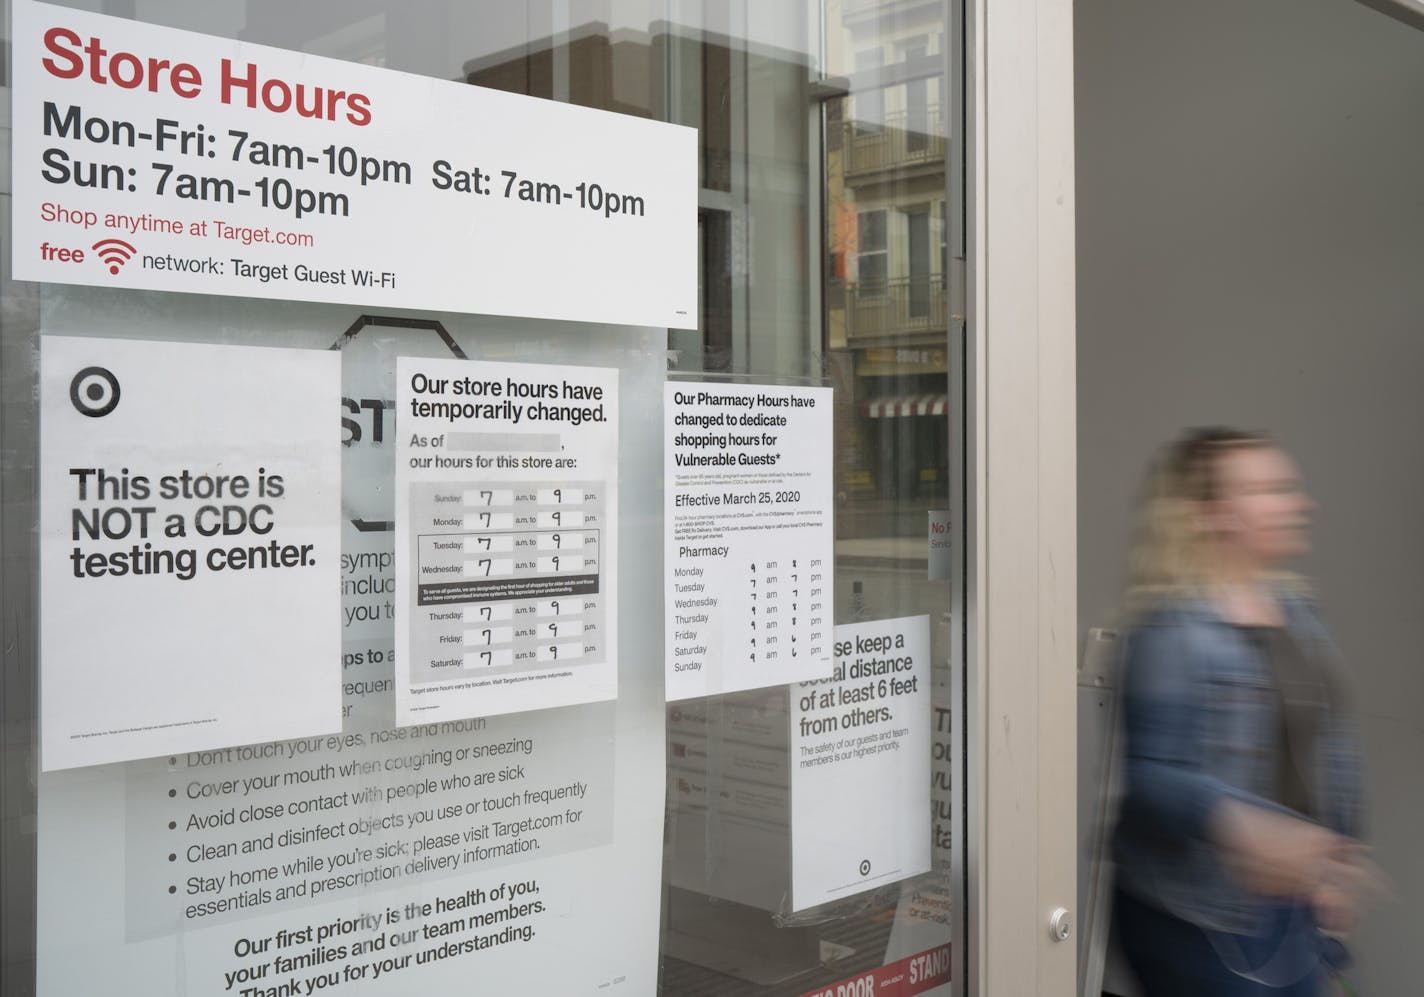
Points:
point(869, 102)
point(872, 260)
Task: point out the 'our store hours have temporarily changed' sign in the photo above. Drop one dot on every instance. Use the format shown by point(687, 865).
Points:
point(147, 157)
point(506, 538)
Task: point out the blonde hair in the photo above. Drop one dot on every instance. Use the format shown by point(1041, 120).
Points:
point(1174, 553)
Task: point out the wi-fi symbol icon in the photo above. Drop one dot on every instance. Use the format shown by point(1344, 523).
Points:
point(114, 252)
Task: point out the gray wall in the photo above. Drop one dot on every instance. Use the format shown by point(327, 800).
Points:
point(1251, 252)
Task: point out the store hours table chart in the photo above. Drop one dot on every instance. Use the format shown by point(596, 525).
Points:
point(507, 576)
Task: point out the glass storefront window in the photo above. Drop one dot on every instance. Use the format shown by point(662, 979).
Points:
point(824, 210)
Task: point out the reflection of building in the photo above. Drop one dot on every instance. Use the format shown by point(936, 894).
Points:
point(887, 235)
point(727, 830)
point(759, 287)
point(883, 295)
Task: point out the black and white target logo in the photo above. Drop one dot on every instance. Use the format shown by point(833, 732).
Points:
point(94, 391)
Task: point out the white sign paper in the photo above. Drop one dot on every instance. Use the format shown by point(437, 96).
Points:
point(190, 547)
point(862, 738)
point(748, 540)
point(941, 565)
point(147, 157)
point(506, 537)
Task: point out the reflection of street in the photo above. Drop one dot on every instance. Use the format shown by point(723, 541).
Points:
point(878, 586)
point(876, 526)
point(882, 576)
point(883, 924)
point(908, 553)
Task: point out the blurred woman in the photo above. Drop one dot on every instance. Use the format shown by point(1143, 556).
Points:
point(1236, 844)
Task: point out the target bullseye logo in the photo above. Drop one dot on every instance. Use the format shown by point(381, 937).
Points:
point(114, 252)
point(94, 391)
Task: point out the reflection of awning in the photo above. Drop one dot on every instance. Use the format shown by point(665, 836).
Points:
point(884, 408)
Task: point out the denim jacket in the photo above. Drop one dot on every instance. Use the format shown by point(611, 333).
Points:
point(1202, 718)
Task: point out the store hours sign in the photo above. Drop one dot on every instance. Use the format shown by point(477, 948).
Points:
point(146, 157)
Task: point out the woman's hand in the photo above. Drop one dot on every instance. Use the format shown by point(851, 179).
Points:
point(1339, 898)
point(1284, 857)
point(1277, 855)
